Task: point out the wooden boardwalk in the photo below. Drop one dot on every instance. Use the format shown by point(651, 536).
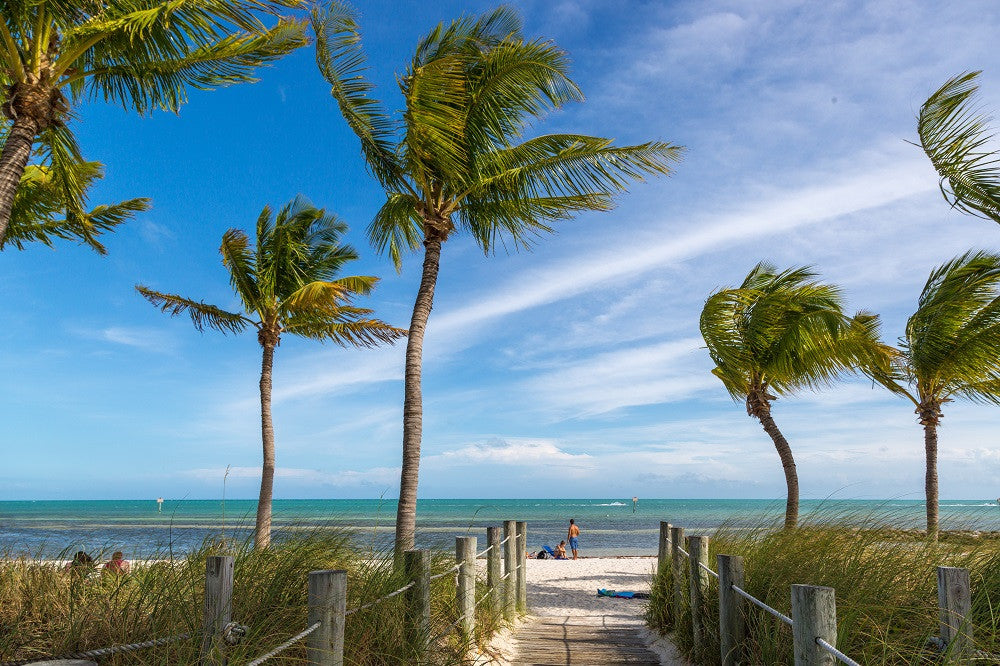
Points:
point(580, 641)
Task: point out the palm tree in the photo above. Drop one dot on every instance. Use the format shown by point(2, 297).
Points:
point(287, 284)
point(142, 54)
point(456, 160)
point(779, 333)
point(951, 349)
point(954, 134)
point(39, 212)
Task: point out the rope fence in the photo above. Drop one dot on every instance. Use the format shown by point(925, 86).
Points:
point(104, 652)
point(836, 653)
point(284, 646)
point(327, 604)
point(761, 605)
point(379, 600)
point(814, 608)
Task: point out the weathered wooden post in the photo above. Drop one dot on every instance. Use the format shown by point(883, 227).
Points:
point(732, 629)
point(663, 555)
point(509, 566)
point(522, 566)
point(494, 583)
point(677, 570)
point(218, 608)
point(465, 556)
point(814, 616)
point(698, 549)
point(417, 601)
point(954, 603)
point(327, 604)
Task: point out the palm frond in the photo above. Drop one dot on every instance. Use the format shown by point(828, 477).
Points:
point(239, 260)
point(396, 226)
point(787, 331)
point(342, 63)
point(351, 328)
point(955, 135)
point(202, 314)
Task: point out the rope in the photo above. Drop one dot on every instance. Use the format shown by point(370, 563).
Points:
point(381, 599)
point(681, 550)
point(760, 604)
point(506, 539)
point(445, 573)
point(486, 596)
point(483, 552)
point(708, 570)
point(835, 652)
point(447, 631)
point(284, 646)
point(104, 652)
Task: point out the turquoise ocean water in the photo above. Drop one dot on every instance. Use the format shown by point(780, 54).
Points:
point(608, 526)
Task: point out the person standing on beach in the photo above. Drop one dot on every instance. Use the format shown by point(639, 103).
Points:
point(574, 534)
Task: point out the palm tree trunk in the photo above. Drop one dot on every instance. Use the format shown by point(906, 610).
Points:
point(262, 531)
point(931, 480)
point(406, 513)
point(13, 160)
point(788, 463)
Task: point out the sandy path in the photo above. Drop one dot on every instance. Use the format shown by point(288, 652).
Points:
point(567, 591)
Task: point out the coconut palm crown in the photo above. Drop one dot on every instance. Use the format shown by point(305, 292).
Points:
point(951, 350)
point(142, 54)
point(287, 283)
point(457, 160)
point(954, 133)
point(779, 333)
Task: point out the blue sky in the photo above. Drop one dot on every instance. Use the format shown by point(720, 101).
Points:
point(575, 370)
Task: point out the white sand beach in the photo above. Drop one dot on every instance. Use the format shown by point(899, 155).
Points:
point(567, 590)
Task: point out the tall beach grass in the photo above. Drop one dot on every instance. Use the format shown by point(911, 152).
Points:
point(47, 611)
point(885, 582)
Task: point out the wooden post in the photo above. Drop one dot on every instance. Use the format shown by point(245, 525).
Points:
point(814, 615)
point(732, 629)
point(698, 548)
point(494, 584)
point(522, 566)
point(663, 556)
point(954, 602)
point(417, 602)
point(509, 565)
point(327, 604)
point(218, 608)
point(677, 570)
point(465, 555)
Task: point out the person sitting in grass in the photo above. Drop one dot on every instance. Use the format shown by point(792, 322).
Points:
point(117, 565)
point(561, 551)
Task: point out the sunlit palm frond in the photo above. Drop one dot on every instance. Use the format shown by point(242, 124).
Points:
point(955, 135)
point(351, 328)
point(437, 101)
point(202, 314)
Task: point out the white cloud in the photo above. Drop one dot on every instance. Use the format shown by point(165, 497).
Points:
point(510, 451)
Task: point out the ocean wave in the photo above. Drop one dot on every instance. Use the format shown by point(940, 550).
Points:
point(608, 504)
point(981, 504)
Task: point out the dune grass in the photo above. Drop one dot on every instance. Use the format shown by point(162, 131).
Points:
point(45, 610)
point(885, 582)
